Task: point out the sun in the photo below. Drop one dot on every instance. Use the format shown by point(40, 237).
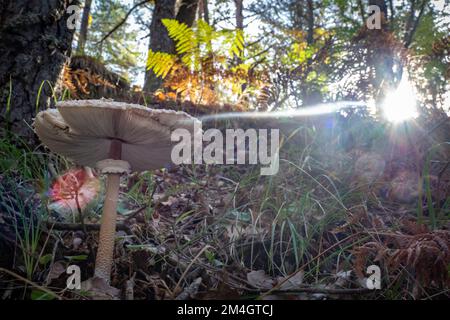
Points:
point(401, 104)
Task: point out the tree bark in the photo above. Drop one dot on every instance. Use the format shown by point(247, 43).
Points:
point(204, 10)
point(239, 14)
point(383, 62)
point(413, 23)
point(382, 5)
point(187, 11)
point(362, 12)
point(84, 27)
point(159, 39)
point(36, 41)
point(310, 21)
point(311, 95)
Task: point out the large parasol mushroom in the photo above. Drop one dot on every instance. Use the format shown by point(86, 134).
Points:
point(116, 138)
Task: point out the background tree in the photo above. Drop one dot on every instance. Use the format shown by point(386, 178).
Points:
point(203, 10)
point(36, 42)
point(159, 38)
point(118, 50)
point(84, 26)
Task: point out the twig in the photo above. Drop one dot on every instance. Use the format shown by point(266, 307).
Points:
point(310, 261)
point(409, 36)
point(89, 227)
point(190, 291)
point(55, 248)
point(325, 290)
point(129, 289)
point(177, 287)
point(136, 212)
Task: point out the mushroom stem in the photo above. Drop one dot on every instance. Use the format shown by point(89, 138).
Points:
point(103, 262)
point(105, 251)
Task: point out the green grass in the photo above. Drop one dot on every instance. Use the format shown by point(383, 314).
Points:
point(27, 219)
point(437, 216)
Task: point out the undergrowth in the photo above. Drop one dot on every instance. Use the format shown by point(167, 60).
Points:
point(342, 201)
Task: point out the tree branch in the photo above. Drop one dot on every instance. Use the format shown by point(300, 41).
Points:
point(123, 20)
point(409, 36)
point(361, 12)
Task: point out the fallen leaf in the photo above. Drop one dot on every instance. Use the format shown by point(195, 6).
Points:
point(293, 282)
point(99, 289)
point(56, 270)
point(170, 201)
point(259, 279)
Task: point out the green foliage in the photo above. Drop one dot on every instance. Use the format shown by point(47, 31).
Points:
point(119, 51)
point(435, 214)
point(208, 64)
point(184, 37)
point(27, 222)
point(40, 295)
point(196, 43)
point(160, 62)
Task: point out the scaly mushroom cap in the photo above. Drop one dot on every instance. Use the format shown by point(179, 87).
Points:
point(83, 131)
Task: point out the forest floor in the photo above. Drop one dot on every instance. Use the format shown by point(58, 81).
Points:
point(351, 192)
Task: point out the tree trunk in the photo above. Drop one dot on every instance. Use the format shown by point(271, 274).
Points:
point(187, 11)
point(382, 5)
point(36, 40)
point(84, 27)
point(311, 94)
point(297, 14)
point(383, 62)
point(362, 12)
point(310, 22)
point(159, 39)
point(204, 10)
point(239, 14)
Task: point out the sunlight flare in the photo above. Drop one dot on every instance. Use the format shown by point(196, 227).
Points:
point(401, 104)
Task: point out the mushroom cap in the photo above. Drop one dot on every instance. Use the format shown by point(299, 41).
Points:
point(83, 130)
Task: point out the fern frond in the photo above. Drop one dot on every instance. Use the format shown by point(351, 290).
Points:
point(205, 33)
point(185, 38)
point(236, 41)
point(160, 63)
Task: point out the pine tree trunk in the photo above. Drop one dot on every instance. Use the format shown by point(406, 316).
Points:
point(204, 10)
point(84, 27)
point(159, 39)
point(35, 41)
point(239, 14)
point(310, 22)
point(187, 12)
point(383, 61)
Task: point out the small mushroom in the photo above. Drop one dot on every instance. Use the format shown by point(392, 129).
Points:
point(116, 138)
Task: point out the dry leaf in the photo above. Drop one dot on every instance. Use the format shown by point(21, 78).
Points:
point(56, 270)
point(293, 282)
point(100, 289)
point(259, 279)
